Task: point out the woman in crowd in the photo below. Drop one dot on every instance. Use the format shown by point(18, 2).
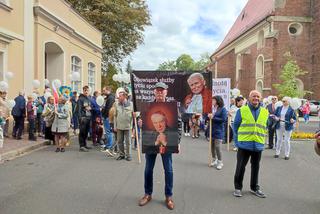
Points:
point(48, 116)
point(219, 118)
point(285, 117)
point(195, 125)
point(186, 128)
point(306, 111)
point(60, 126)
point(238, 103)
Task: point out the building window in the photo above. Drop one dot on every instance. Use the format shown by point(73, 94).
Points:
point(260, 67)
point(76, 67)
point(259, 86)
point(1, 66)
point(91, 76)
point(295, 29)
point(238, 67)
point(260, 39)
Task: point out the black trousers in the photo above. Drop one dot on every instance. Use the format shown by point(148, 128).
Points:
point(18, 126)
point(272, 131)
point(32, 128)
point(84, 131)
point(242, 160)
point(186, 127)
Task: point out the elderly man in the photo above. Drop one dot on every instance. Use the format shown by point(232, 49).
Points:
point(160, 93)
point(271, 121)
point(250, 127)
point(19, 113)
point(123, 125)
point(199, 101)
point(5, 112)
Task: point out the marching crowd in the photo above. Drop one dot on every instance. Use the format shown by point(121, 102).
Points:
point(111, 126)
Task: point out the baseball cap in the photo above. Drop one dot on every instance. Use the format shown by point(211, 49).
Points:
point(161, 85)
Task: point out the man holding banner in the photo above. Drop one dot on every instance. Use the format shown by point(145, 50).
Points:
point(160, 93)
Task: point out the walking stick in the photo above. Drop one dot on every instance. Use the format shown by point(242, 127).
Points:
point(137, 138)
point(210, 143)
point(228, 134)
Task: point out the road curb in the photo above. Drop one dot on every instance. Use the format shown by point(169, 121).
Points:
point(21, 151)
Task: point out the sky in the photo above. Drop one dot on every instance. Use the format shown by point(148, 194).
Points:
point(192, 27)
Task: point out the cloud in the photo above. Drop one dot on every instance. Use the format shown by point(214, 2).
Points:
point(184, 26)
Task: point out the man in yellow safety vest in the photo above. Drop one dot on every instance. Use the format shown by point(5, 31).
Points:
point(250, 128)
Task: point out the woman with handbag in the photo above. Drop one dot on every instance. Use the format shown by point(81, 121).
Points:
point(61, 124)
point(48, 115)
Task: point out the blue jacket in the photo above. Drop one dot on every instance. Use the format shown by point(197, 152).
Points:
point(19, 110)
point(95, 108)
point(251, 146)
point(289, 115)
point(218, 123)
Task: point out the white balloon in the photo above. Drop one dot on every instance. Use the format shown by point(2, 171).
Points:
point(115, 77)
point(46, 82)
point(295, 103)
point(235, 92)
point(127, 78)
point(4, 86)
point(100, 100)
point(9, 75)
point(47, 95)
point(36, 84)
point(278, 104)
point(56, 83)
point(75, 76)
point(34, 96)
point(11, 104)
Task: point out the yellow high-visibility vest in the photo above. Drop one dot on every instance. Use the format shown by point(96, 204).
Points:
point(251, 130)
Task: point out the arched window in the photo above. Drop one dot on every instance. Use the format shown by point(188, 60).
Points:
point(260, 67)
point(238, 67)
point(76, 67)
point(92, 76)
point(260, 39)
point(259, 86)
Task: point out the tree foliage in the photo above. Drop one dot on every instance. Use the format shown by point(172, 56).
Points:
point(122, 23)
point(289, 83)
point(106, 78)
point(185, 63)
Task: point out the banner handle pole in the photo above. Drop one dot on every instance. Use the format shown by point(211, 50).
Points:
point(210, 143)
point(228, 133)
point(137, 138)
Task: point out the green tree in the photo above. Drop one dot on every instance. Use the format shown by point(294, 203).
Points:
point(129, 67)
point(106, 79)
point(289, 84)
point(185, 63)
point(168, 66)
point(122, 23)
point(203, 62)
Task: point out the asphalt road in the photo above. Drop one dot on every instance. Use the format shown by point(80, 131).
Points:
point(45, 182)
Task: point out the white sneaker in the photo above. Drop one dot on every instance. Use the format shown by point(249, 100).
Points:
point(219, 165)
point(188, 134)
point(109, 153)
point(185, 134)
point(214, 163)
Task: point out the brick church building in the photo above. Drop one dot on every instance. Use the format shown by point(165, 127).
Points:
point(252, 53)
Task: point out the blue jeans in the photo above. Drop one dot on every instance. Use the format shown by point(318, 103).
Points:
point(168, 172)
point(108, 131)
point(306, 117)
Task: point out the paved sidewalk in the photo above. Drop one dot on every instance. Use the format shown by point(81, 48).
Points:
point(13, 148)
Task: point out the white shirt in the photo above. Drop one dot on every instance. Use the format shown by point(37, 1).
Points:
point(283, 114)
point(196, 104)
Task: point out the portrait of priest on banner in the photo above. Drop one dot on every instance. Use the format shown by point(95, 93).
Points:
point(160, 133)
point(199, 99)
